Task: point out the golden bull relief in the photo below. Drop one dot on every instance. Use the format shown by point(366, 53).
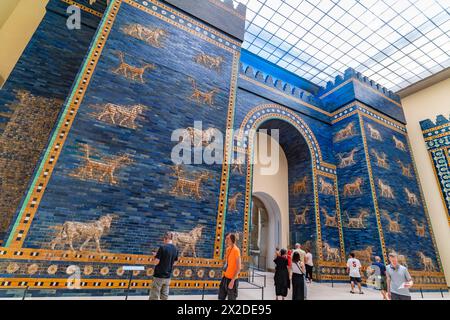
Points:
point(374, 133)
point(345, 133)
point(103, 170)
point(187, 241)
point(354, 188)
point(325, 187)
point(331, 254)
point(151, 36)
point(72, 231)
point(120, 115)
point(386, 190)
point(185, 186)
point(210, 62)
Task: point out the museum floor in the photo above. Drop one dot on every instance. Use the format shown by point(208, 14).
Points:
point(316, 291)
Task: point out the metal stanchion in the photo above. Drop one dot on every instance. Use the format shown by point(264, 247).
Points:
point(262, 293)
point(132, 269)
point(203, 292)
point(442, 294)
point(332, 283)
point(25, 293)
point(421, 293)
point(129, 284)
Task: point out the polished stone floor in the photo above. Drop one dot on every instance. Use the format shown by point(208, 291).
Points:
point(316, 291)
point(319, 291)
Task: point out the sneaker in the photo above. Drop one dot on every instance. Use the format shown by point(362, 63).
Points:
point(352, 292)
point(361, 292)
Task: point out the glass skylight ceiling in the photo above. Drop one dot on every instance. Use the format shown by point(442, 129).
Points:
point(393, 42)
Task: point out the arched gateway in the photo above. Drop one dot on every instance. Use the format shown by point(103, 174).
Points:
point(294, 218)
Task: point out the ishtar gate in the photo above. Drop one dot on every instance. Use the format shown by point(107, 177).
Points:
point(88, 181)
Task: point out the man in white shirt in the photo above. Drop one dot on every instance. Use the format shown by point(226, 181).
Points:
point(353, 269)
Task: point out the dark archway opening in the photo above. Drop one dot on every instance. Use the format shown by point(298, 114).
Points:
point(281, 224)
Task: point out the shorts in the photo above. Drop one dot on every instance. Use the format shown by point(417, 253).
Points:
point(355, 279)
point(225, 292)
point(395, 296)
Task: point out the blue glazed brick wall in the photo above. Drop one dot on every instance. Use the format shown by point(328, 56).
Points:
point(355, 237)
point(379, 102)
point(329, 232)
point(143, 197)
point(399, 208)
point(339, 98)
point(46, 70)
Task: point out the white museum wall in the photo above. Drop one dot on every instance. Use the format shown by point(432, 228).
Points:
point(19, 20)
point(427, 104)
point(275, 186)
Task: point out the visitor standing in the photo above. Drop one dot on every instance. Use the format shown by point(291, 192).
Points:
point(281, 278)
point(232, 267)
point(289, 257)
point(298, 279)
point(165, 258)
point(398, 279)
point(353, 269)
point(382, 276)
point(302, 253)
point(309, 265)
point(298, 248)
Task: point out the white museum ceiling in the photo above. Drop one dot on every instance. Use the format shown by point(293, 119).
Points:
point(395, 43)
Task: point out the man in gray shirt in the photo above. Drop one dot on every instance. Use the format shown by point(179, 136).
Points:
point(398, 279)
